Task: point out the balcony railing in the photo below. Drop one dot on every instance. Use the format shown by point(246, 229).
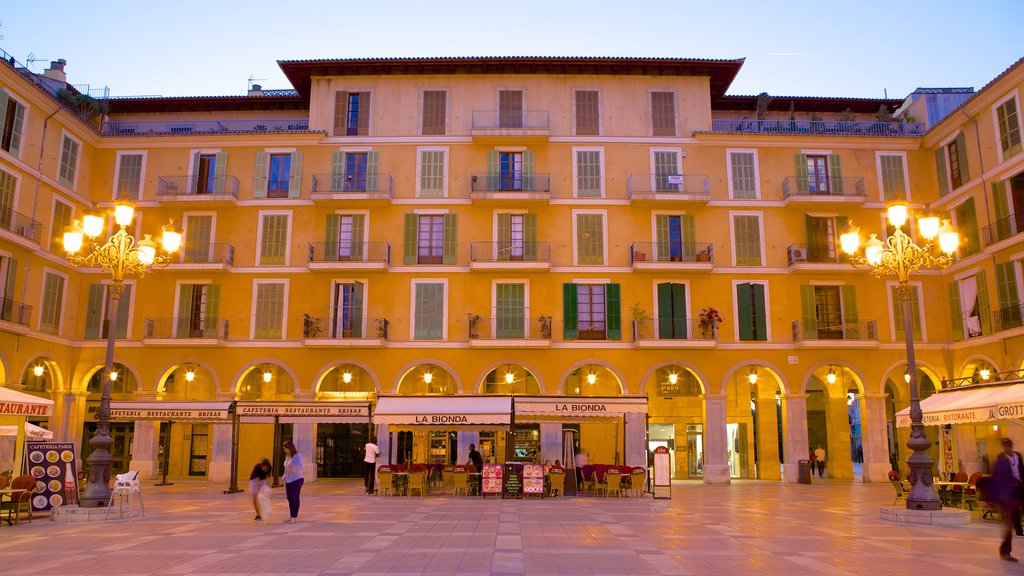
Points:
point(1009, 317)
point(1003, 228)
point(510, 252)
point(191, 184)
point(674, 329)
point(1014, 376)
point(654, 252)
point(19, 224)
point(213, 253)
point(510, 328)
point(511, 119)
point(349, 252)
point(137, 127)
point(861, 330)
point(359, 183)
point(14, 311)
point(818, 127)
point(344, 326)
point(832, 186)
point(640, 186)
point(185, 328)
point(515, 182)
point(829, 253)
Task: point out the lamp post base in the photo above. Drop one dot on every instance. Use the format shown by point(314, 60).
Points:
point(97, 490)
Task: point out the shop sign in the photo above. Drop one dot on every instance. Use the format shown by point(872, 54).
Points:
point(25, 409)
point(325, 410)
point(441, 419)
point(53, 465)
point(167, 414)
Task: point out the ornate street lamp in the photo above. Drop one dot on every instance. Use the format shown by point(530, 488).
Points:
point(124, 257)
point(897, 258)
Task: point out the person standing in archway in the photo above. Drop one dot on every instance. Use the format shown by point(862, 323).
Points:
point(370, 465)
point(819, 458)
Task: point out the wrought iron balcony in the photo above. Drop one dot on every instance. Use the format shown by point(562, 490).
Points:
point(514, 327)
point(674, 329)
point(1009, 317)
point(511, 120)
point(668, 252)
point(343, 325)
point(347, 252)
point(818, 127)
point(211, 187)
point(213, 253)
point(1003, 228)
point(829, 253)
point(199, 126)
point(19, 224)
point(511, 252)
point(377, 184)
point(860, 330)
point(185, 328)
point(511, 183)
point(848, 187)
point(669, 187)
point(14, 311)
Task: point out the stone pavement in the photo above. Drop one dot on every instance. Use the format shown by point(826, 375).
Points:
point(744, 528)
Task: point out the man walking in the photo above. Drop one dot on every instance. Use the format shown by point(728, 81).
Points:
point(1005, 489)
point(819, 457)
point(370, 465)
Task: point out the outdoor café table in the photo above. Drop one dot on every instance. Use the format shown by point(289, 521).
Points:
point(946, 490)
point(7, 495)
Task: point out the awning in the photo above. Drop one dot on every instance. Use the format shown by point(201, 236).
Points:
point(324, 412)
point(32, 432)
point(443, 410)
point(171, 411)
point(14, 403)
point(969, 405)
point(579, 407)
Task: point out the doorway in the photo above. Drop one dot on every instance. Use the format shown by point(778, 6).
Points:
point(339, 450)
point(199, 450)
point(695, 450)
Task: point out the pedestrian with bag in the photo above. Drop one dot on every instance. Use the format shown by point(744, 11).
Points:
point(293, 480)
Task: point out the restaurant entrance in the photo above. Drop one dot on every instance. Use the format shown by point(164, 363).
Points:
point(121, 451)
point(339, 450)
point(695, 450)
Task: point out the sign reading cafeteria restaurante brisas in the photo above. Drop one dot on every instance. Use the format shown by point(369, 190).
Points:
point(25, 409)
point(168, 414)
point(325, 409)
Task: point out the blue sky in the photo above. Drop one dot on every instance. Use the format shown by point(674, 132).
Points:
point(824, 48)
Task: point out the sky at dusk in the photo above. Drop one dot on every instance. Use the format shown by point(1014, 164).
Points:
point(863, 48)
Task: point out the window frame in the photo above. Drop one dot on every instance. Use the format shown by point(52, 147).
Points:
point(600, 110)
point(494, 305)
point(655, 315)
point(24, 123)
point(259, 236)
point(412, 307)
point(997, 134)
point(446, 129)
point(47, 271)
point(757, 172)
point(732, 235)
point(650, 112)
point(332, 306)
point(78, 160)
point(767, 309)
point(604, 236)
point(444, 150)
point(131, 306)
point(53, 211)
point(15, 192)
point(142, 173)
point(575, 170)
point(284, 308)
point(881, 178)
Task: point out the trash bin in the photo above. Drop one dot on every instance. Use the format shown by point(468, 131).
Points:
point(804, 476)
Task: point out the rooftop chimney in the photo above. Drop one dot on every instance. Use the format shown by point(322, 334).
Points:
point(56, 70)
point(256, 90)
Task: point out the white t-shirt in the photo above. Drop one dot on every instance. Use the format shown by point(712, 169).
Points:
point(371, 452)
point(819, 454)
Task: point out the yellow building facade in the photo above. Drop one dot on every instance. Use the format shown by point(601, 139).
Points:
point(615, 246)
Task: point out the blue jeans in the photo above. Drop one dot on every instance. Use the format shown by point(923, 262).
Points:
point(291, 491)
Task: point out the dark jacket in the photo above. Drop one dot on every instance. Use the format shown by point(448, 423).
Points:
point(1003, 486)
point(477, 460)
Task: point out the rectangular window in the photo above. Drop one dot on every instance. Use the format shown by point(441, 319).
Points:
point(428, 317)
point(204, 173)
point(966, 221)
point(751, 313)
point(432, 173)
point(351, 113)
point(97, 315)
point(435, 108)
point(279, 178)
point(743, 175)
point(510, 171)
point(589, 182)
point(672, 320)
point(591, 312)
point(68, 162)
point(7, 184)
point(52, 302)
point(823, 237)
point(897, 312)
point(1009, 314)
point(268, 313)
point(894, 180)
point(509, 310)
point(129, 176)
point(588, 119)
point(817, 174)
point(273, 239)
point(675, 235)
point(356, 165)
point(12, 114)
point(971, 308)
point(61, 219)
point(1009, 128)
point(747, 239)
point(517, 237)
point(430, 239)
point(592, 319)
point(510, 108)
point(347, 312)
point(666, 171)
point(955, 176)
point(589, 239)
point(198, 236)
point(663, 113)
point(198, 309)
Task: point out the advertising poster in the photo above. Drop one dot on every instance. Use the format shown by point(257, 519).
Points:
point(491, 479)
point(53, 466)
point(513, 480)
point(533, 479)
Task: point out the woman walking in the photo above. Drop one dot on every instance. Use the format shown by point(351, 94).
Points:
point(257, 482)
point(292, 479)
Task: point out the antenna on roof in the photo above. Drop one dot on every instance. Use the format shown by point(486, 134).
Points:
point(886, 93)
point(251, 80)
point(31, 59)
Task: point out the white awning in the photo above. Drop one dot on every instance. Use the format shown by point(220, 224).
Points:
point(969, 405)
point(32, 432)
point(578, 406)
point(443, 410)
point(14, 403)
point(171, 411)
point(325, 412)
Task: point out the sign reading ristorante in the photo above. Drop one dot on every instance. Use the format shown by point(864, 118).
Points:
point(25, 409)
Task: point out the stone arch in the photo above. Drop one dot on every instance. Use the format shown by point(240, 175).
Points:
point(845, 374)
point(697, 373)
point(318, 380)
point(900, 367)
point(972, 363)
point(92, 372)
point(762, 365)
point(592, 362)
point(236, 382)
point(52, 367)
point(408, 368)
point(498, 364)
point(173, 367)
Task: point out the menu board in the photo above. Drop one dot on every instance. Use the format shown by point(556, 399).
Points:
point(53, 466)
point(533, 479)
point(662, 473)
point(491, 479)
point(513, 472)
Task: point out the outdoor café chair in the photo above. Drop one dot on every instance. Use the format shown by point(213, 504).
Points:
point(126, 486)
point(901, 491)
point(612, 482)
point(556, 479)
point(385, 480)
point(449, 479)
point(461, 481)
point(21, 502)
point(637, 478)
point(970, 493)
point(417, 481)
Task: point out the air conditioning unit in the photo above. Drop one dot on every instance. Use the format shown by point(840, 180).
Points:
point(797, 254)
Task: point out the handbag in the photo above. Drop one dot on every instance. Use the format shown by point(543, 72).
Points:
point(264, 499)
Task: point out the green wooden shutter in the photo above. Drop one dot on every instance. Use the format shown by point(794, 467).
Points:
point(689, 229)
point(372, 167)
point(5, 101)
point(364, 114)
point(411, 231)
point(530, 237)
point(747, 241)
point(967, 221)
point(185, 295)
point(1002, 209)
point(613, 311)
point(269, 311)
point(836, 173)
point(331, 236)
point(897, 312)
point(340, 114)
point(357, 309)
point(984, 310)
point(94, 310)
point(432, 173)
point(194, 185)
point(760, 313)
point(1006, 286)
point(211, 310)
point(661, 227)
point(955, 310)
point(962, 158)
point(851, 330)
point(16, 128)
point(503, 249)
point(259, 182)
point(198, 231)
point(492, 171)
point(51, 303)
point(295, 177)
point(12, 276)
point(220, 172)
point(810, 312)
point(61, 220)
point(570, 312)
point(510, 305)
point(528, 170)
point(124, 308)
point(894, 182)
point(429, 324)
point(744, 182)
point(450, 244)
point(358, 232)
point(337, 172)
point(680, 326)
point(803, 185)
point(666, 312)
point(745, 311)
point(940, 170)
point(273, 239)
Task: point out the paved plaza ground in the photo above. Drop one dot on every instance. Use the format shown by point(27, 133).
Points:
point(744, 528)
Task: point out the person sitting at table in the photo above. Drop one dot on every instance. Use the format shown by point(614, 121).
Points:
point(547, 466)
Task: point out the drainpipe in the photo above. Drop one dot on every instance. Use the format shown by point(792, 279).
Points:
point(35, 199)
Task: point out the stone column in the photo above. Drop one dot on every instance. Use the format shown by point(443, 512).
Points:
point(304, 437)
point(146, 456)
point(768, 465)
point(635, 432)
point(383, 444)
point(716, 464)
point(838, 459)
point(794, 434)
point(62, 402)
point(550, 441)
point(218, 466)
point(875, 437)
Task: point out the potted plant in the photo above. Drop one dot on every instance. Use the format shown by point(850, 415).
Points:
point(474, 319)
point(640, 321)
point(708, 321)
point(545, 327)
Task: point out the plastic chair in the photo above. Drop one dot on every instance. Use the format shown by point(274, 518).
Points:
point(125, 487)
point(20, 503)
point(901, 491)
point(970, 494)
point(461, 481)
point(556, 479)
point(637, 479)
point(958, 491)
point(417, 481)
point(385, 480)
point(612, 482)
point(449, 479)
point(588, 478)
